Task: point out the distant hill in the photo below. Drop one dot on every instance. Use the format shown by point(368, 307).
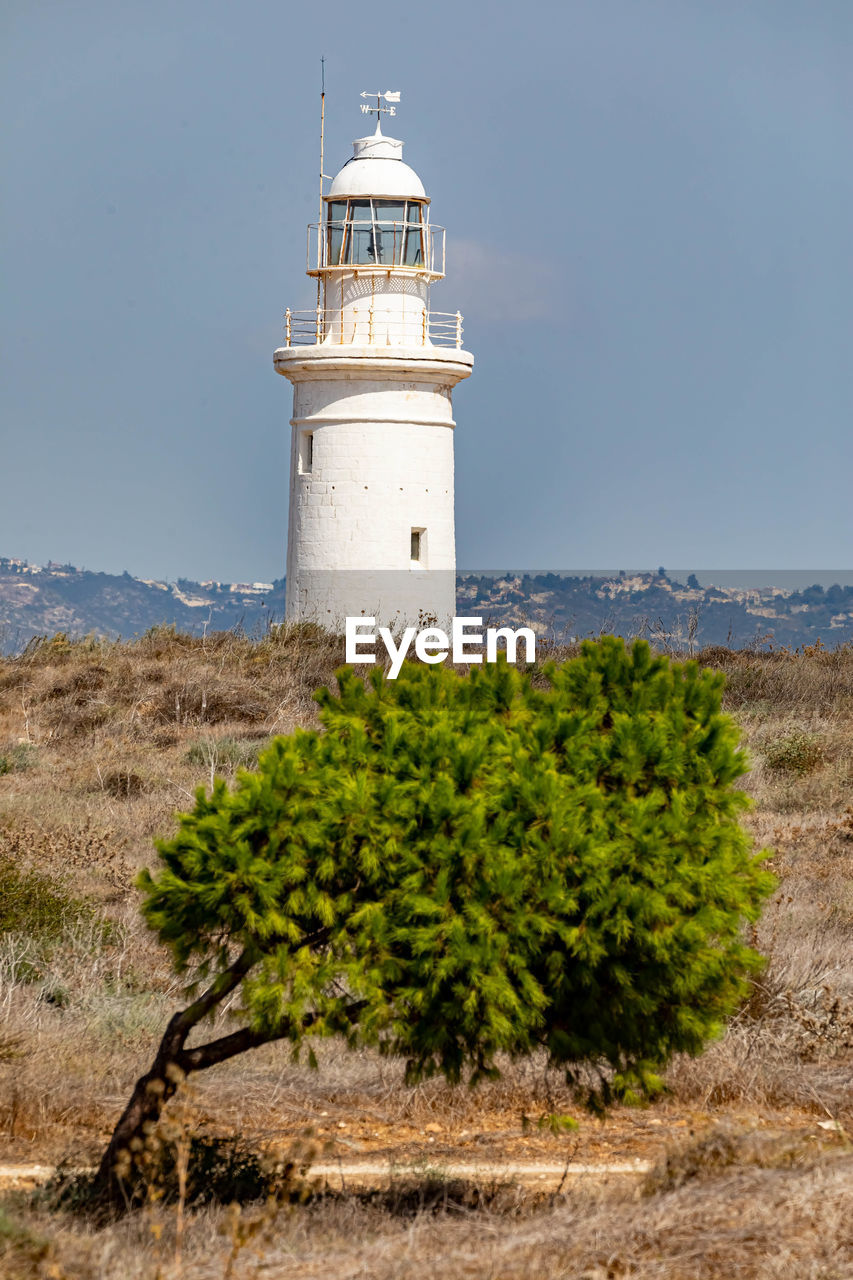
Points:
point(42, 600)
point(671, 612)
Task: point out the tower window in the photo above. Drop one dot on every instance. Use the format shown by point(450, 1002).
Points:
point(418, 545)
point(306, 452)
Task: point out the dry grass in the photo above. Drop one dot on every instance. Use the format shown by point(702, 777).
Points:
point(718, 1210)
point(103, 742)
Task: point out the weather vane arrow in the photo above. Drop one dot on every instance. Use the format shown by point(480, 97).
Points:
point(390, 96)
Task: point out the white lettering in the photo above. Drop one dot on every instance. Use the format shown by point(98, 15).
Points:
point(460, 636)
point(429, 639)
point(433, 645)
point(354, 640)
point(511, 637)
point(397, 655)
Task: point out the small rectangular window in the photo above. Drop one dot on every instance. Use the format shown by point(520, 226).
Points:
point(306, 452)
point(416, 543)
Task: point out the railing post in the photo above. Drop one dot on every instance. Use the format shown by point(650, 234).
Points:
point(318, 335)
point(425, 327)
point(458, 330)
point(370, 324)
point(287, 327)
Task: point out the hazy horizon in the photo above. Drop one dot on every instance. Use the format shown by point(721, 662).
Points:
point(786, 579)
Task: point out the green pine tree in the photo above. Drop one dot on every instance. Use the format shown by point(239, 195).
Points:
point(460, 867)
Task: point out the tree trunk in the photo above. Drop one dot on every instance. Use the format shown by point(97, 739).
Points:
point(172, 1063)
point(150, 1095)
point(153, 1090)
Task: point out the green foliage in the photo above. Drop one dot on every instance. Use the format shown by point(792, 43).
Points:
point(36, 904)
point(795, 752)
point(551, 1122)
point(489, 863)
point(18, 758)
point(22, 1251)
point(227, 753)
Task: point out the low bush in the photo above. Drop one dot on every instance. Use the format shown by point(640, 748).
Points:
point(124, 784)
point(18, 758)
point(227, 754)
point(200, 1169)
point(36, 904)
point(726, 1147)
point(796, 752)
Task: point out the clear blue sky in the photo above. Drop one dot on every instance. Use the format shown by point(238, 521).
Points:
point(649, 207)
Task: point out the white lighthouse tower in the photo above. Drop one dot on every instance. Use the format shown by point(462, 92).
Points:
point(371, 528)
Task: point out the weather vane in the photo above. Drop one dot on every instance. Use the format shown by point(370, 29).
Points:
point(378, 110)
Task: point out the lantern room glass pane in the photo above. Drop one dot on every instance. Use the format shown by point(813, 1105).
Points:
point(335, 220)
point(359, 246)
point(377, 244)
point(389, 220)
point(413, 255)
point(389, 211)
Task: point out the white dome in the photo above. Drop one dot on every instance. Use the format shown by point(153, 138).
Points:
point(377, 169)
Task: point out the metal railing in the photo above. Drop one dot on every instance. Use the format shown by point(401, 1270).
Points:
point(372, 326)
point(401, 246)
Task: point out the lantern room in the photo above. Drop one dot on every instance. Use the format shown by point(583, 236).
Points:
point(374, 255)
point(387, 233)
point(376, 214)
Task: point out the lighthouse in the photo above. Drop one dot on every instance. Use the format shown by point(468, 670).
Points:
point(371, 522)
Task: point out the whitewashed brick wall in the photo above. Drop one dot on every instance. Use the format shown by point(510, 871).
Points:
point(382, 465)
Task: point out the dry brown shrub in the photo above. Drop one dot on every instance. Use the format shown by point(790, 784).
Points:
point(197, 702)
point(722, 1147)
point(844, 825)
point(60, 690)
point(77, 716)
point(59, 648)
point(817, 680)
point(123, 783)
point(81, 682)
point(87, 848)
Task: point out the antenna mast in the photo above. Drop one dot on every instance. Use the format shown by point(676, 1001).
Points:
point(322, 126)
point(322, 175)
